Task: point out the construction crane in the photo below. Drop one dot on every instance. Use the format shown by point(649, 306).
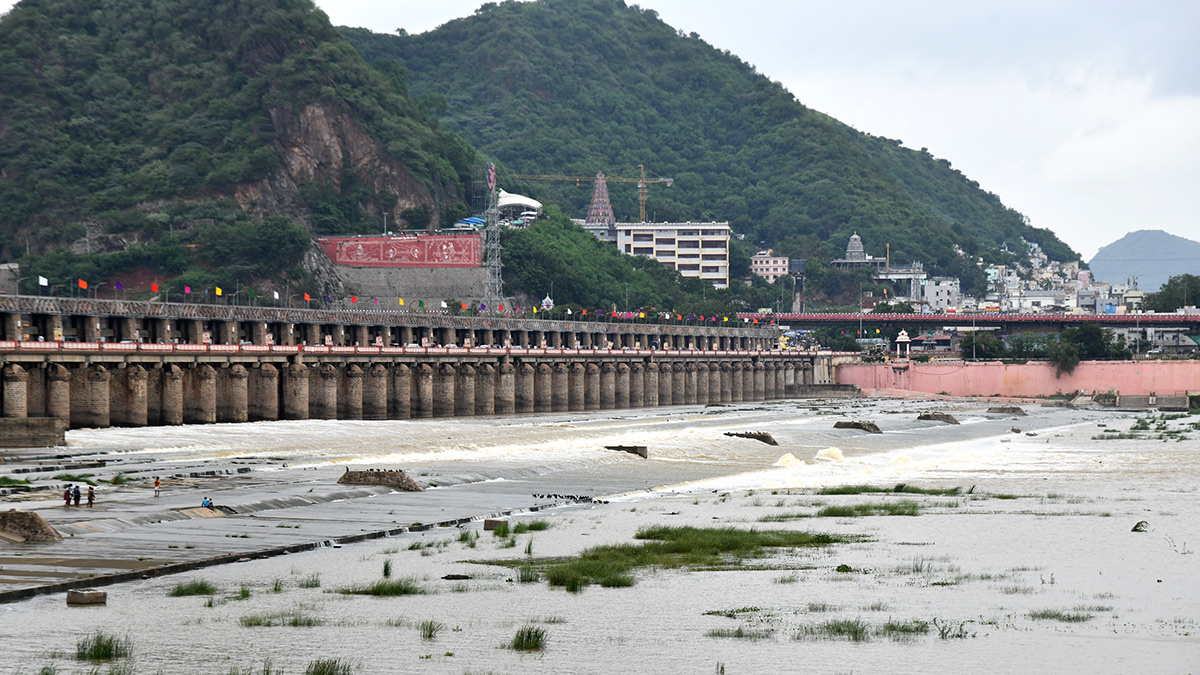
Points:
point(600, 178)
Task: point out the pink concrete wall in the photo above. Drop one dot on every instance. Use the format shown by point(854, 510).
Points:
point(1165, 378)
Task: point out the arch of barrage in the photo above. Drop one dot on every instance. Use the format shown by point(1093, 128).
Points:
point(99, 363)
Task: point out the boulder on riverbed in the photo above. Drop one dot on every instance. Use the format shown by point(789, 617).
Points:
point(393, 478)
point(938, 417)
point(21, 526)
point(862, 425)
point(1006, 410)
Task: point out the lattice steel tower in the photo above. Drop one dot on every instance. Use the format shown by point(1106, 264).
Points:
point(493, 290)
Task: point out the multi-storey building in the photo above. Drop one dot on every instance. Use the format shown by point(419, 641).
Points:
point(940, 293)
point(768, 266)
point(693, 249)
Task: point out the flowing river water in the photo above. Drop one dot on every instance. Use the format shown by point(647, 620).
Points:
point(1033, 567)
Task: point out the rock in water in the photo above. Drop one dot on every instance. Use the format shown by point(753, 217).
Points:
point(1142, 526)
point(756, 435)
point(938, 417)
point(23, 526)
point(1006, 410)
point(869, 427)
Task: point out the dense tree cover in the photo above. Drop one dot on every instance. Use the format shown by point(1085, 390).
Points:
point(110, 111)
point(556, 255)
point(228, 249)
point(1180, 291)
point(575, 86)
point(1086, 342)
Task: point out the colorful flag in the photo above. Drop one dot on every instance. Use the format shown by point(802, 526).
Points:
point(444, 305)
point(276, 294)
point(569, 311)
point(354, 299)
point(153, 288)
point(376, 301)
point(641, 315)
point(187, 290)
point(119, 286)
point(219, 291)
point(307, 298)
point(501, 308)
point(724, 318)
point(464, 305)
point(402, 301)
point(585, 312)
point(420, 303)
point(535, 310)
point(482, 307)
point(251, 291)
point(43, 281)
point(328, 299)
point(83, 284)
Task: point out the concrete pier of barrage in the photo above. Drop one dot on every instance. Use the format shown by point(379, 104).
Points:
point(98, 363)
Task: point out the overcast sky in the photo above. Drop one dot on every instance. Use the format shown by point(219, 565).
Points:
point(1083, 115)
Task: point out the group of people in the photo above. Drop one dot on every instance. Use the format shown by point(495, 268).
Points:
point(73, 493)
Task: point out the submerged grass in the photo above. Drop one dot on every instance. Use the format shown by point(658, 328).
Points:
point(854, 630)
point(670, 547)
point(899, 488)
point(328, 667)
point(742, 633)
point(386, 588)
point(905, 507)
point(1059, 615)
point(529, 639)
point(294, 618)
point(101, 646)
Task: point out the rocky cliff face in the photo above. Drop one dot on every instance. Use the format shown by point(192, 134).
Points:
point(317, 143)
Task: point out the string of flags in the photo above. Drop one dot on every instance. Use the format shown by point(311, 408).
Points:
point(547, 305)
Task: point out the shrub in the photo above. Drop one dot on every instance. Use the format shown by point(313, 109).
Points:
point(193, 587)
point(100, 646)
point(529, 639)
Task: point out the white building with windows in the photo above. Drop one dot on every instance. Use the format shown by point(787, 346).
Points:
point(693, 249)
point(768, 266)
point(940, 293)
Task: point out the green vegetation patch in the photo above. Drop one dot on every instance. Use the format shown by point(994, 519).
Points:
point(531, 526)
point(77, 478)
point(328, 667)
point(193, 587)
point(742, 633)
point(9, 481)
point(671, 547)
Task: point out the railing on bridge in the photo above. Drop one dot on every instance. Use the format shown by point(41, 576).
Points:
point(980, 317)
point(184, 348)
point(33, 304)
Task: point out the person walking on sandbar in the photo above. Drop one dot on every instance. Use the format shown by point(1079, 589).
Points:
point(157, 485)
point(91, 496)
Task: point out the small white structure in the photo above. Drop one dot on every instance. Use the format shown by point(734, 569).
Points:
point(902, 340)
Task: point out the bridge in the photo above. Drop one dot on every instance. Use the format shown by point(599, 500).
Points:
point(99, 363)
point(1009, 323)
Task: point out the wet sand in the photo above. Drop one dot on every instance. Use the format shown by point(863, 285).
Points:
point(1044, 533)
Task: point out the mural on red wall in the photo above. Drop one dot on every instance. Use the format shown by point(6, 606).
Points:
point(434, 250)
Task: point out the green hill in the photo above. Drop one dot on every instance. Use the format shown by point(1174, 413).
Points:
point(576, 86)
point(190, 136)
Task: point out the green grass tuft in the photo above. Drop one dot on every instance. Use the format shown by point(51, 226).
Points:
point(294, 618)
point(193, 587)
point(531, 526)
point(77, 478)
point(387, 568)
point(430, 629)
point(311, 581)
point(9, 481)
point(902, 630)
point(100, 646)
point(529, 639)
point(528, 574)
point(501, 530)
point(900, 488)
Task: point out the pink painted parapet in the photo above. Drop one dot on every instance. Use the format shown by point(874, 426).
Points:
point(1141, 378)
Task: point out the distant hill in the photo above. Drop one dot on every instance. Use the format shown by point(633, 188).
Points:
point(1153, 256)
point(576, 86)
